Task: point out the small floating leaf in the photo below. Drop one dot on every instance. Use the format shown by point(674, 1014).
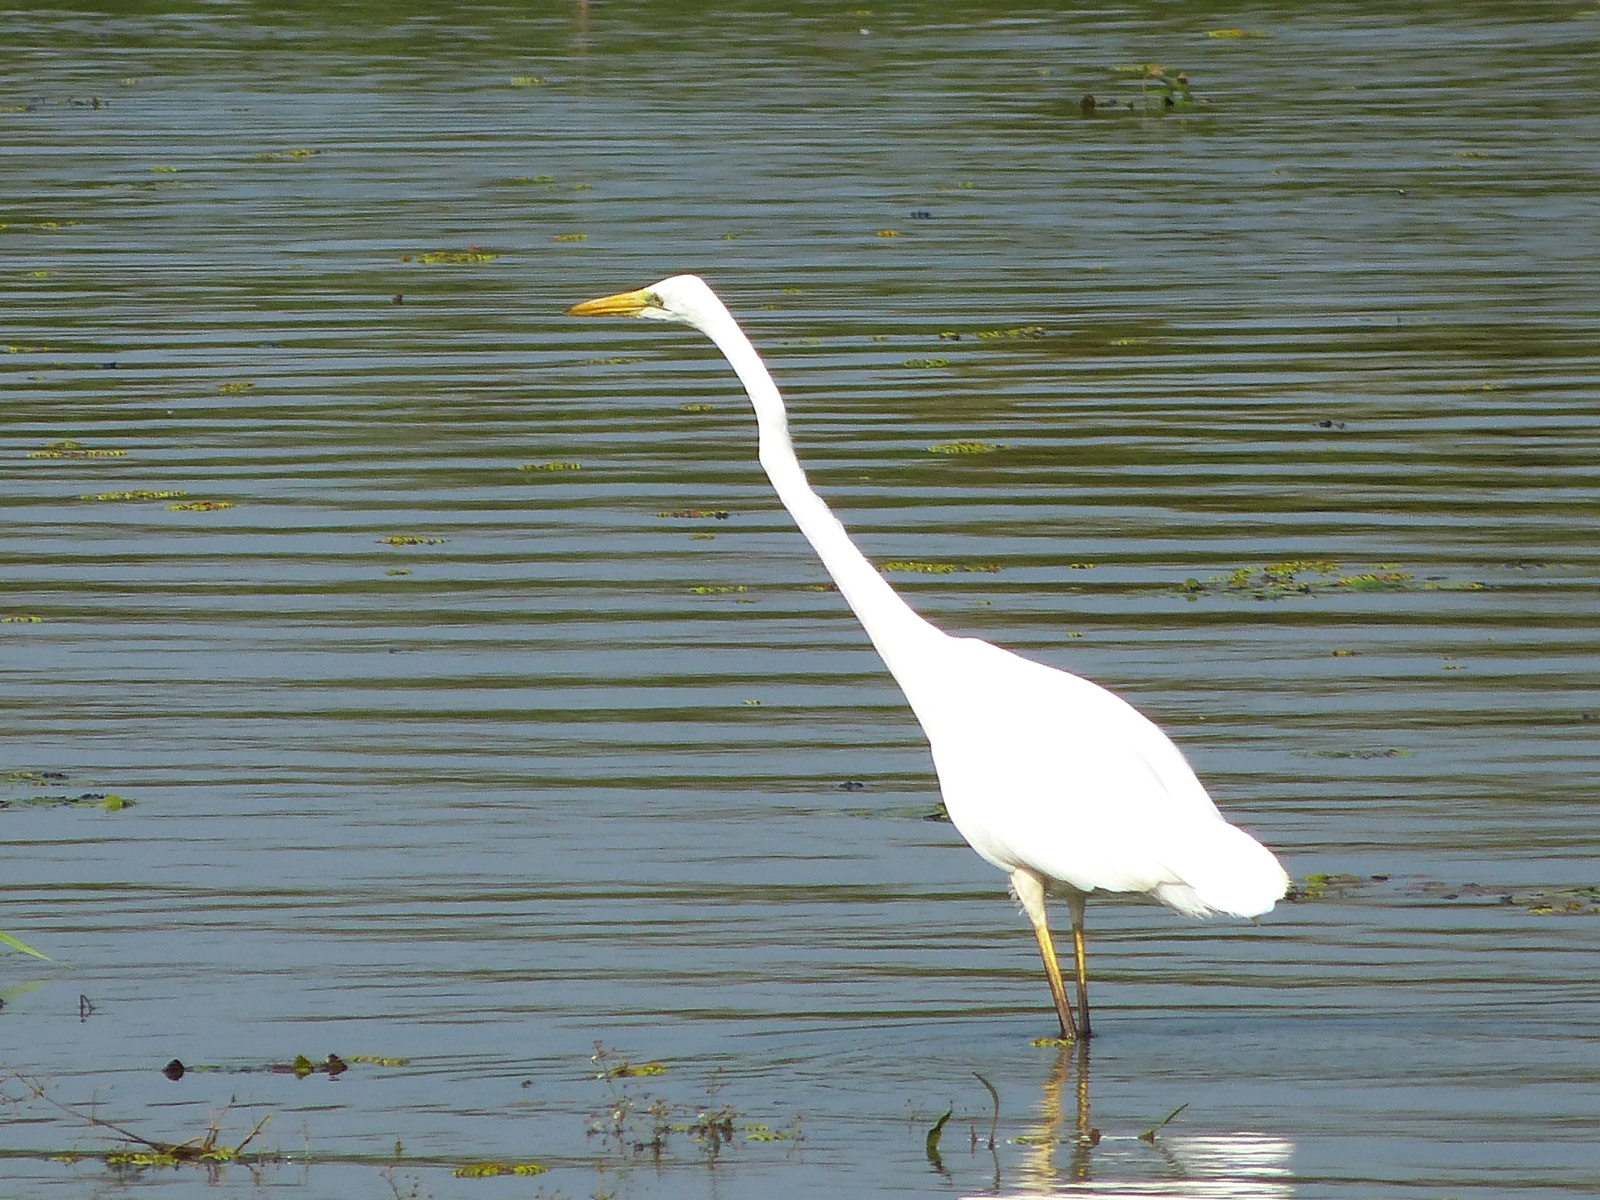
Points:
point(888, 233)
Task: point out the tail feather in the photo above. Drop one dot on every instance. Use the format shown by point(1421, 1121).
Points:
point(1223, 870)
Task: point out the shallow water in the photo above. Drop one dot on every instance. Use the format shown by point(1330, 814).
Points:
point(481, 800)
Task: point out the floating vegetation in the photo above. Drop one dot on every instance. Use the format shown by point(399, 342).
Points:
point(1298, 577)
point(138, 495)
point(1149, 1135)
point(718, 589)
point(634, 1122)
point(109, 801)
point(1021, 332)
point(286, 155)
point(927, 568)
point(1364, 754)
point(235, 389)
point(136, 1150)
point(1232, 34)
point(490, 1169)
point(615, 361)
point(697, 408)
point(552, 466)
point(408, 540)
point(612, 1067)
point(570, 237)
point(27, 349)
point(1571, 901)
point(21, 619)
point(69, 449)
point(201, 506)
point(964, 448)
point(528, 80)
point(1159, 92)
point(472, 254)
point(333, 1066)
point(376, 1061)
point(888, 233)
point(927, 362)
point(695, 514)
point(754, 703)
point(1053, 1043)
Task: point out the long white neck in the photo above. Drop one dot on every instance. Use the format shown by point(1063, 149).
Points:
point(898, 633)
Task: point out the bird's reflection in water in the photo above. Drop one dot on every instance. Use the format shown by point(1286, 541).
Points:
point(1067, 1154)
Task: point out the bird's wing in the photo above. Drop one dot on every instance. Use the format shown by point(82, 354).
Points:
point(1049, 771)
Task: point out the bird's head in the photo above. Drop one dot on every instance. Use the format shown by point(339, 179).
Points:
point(682, 298)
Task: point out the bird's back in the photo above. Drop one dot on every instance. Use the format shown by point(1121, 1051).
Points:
point(1046, 770)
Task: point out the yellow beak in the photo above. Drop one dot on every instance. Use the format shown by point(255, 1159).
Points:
point(623, 304)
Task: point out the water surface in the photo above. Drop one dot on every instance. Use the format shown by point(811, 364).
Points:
point(557, 769)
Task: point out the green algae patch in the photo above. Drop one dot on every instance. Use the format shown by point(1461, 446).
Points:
point(138, 495)
point(551, 466)
point(492, 1169)
point(1018, 333)
point(21, 619)
point(717, 589)
point(913, 567)
point(927, 363)
point(70, 449)
point(695, 514)
point(408, 540)
point(472, 254)
point(298, 155)
point(697, 408)
point(108, 801)
point(1311, 577)
point(373, 1060)
point(236, 389)
point(959, 448)
point(201, 506)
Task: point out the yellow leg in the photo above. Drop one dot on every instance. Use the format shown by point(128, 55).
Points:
point(1030, 891)
point(1075, 903)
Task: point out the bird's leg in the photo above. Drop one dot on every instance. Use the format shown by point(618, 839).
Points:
point(1029, 889)
point(1075, 904)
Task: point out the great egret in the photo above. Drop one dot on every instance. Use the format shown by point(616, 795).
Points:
point(1064, 786)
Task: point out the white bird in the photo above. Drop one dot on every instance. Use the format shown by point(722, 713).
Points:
point(1061, 784)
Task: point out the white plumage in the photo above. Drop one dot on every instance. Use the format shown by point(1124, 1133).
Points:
point(1061, 784)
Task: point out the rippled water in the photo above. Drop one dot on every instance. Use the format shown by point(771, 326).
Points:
point(559, 769)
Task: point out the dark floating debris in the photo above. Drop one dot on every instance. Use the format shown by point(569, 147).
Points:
point(173, 1070)
point(852, 785)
